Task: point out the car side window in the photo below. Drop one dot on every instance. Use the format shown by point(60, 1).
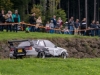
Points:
point(49, 44)
point(41, 43)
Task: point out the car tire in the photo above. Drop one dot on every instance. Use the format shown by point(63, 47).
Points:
point(63, 55)
point(41, 55)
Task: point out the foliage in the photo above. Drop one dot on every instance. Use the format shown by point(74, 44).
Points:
point(6, 4)
point(61, 13)
point(50, 66)
point(37, 11)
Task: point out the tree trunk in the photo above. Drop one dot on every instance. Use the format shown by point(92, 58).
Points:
point(68, 9)
point(98, 10)
point(95, 10)
point(86, 12)
point(79, 8)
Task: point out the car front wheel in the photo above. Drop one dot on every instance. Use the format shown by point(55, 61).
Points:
point(64, 55)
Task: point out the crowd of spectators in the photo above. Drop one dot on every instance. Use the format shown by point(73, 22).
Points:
point(54, 25)
point(9, 18)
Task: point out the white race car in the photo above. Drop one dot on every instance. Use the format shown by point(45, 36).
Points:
point(39, 48)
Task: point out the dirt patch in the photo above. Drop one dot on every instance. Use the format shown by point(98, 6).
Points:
point(77, 48)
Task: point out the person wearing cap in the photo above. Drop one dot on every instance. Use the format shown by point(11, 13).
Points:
point(16, 19)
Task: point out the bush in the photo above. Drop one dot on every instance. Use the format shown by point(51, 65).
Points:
point(61, 13)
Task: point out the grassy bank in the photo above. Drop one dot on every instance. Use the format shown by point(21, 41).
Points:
point(51, 66)
point(23, 35)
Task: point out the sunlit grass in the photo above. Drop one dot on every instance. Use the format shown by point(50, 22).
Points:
point(50, 66)
point(23, 35)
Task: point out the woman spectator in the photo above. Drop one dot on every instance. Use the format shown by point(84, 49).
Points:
point(16, 19)
point(38, 23)
point(47, 27)
point(9, 20)
point(76, 26)
point(59, 25)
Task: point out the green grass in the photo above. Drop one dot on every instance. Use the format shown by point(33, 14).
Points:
point(23, 35)
point(50, 66)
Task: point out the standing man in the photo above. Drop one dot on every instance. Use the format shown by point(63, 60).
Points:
point(83, 26)
point(32, 20)
point(71, 25)
point(54, 21)
point(2, 19)
point(16, 19)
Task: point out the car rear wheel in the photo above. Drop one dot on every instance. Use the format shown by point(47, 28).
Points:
point(63, 55)
point(41, 55)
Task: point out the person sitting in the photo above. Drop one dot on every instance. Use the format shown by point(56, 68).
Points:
point(27, 30)
point(66, 31)
point(47, 27)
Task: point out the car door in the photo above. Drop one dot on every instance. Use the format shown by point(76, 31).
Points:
point(51, 47)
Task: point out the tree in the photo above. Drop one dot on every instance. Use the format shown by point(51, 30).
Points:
point(61, 13)
point(94, 9)
point(6, 4)
point(86, 12)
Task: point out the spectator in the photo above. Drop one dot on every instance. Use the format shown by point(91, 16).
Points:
point(47, 27)
point(38, 23)
point(54, 21)
point(98, 28)
point(59, 22)
point(2, 19)
point(32, 20)
point(71, 25)
point(9, 20)
point(76, 25)
point(16, 19)
point(93, 26)
point(27, 30)
point(59, 25)
point(51, 27)
point(88, 32)
point(66, 31)
point(83, 26)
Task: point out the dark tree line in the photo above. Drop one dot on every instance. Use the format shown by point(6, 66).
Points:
point(76, 8)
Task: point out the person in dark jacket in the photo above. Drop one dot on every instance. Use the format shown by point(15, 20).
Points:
point(76, 26)
point(32, 20)
point(2, 19)
point(93, 25)
point(98, 28)
point(54, 21)
point(83, 26)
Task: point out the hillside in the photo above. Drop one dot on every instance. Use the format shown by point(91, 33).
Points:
point(77, 46)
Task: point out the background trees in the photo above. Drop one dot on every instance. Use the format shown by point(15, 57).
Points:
point(66, 8)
